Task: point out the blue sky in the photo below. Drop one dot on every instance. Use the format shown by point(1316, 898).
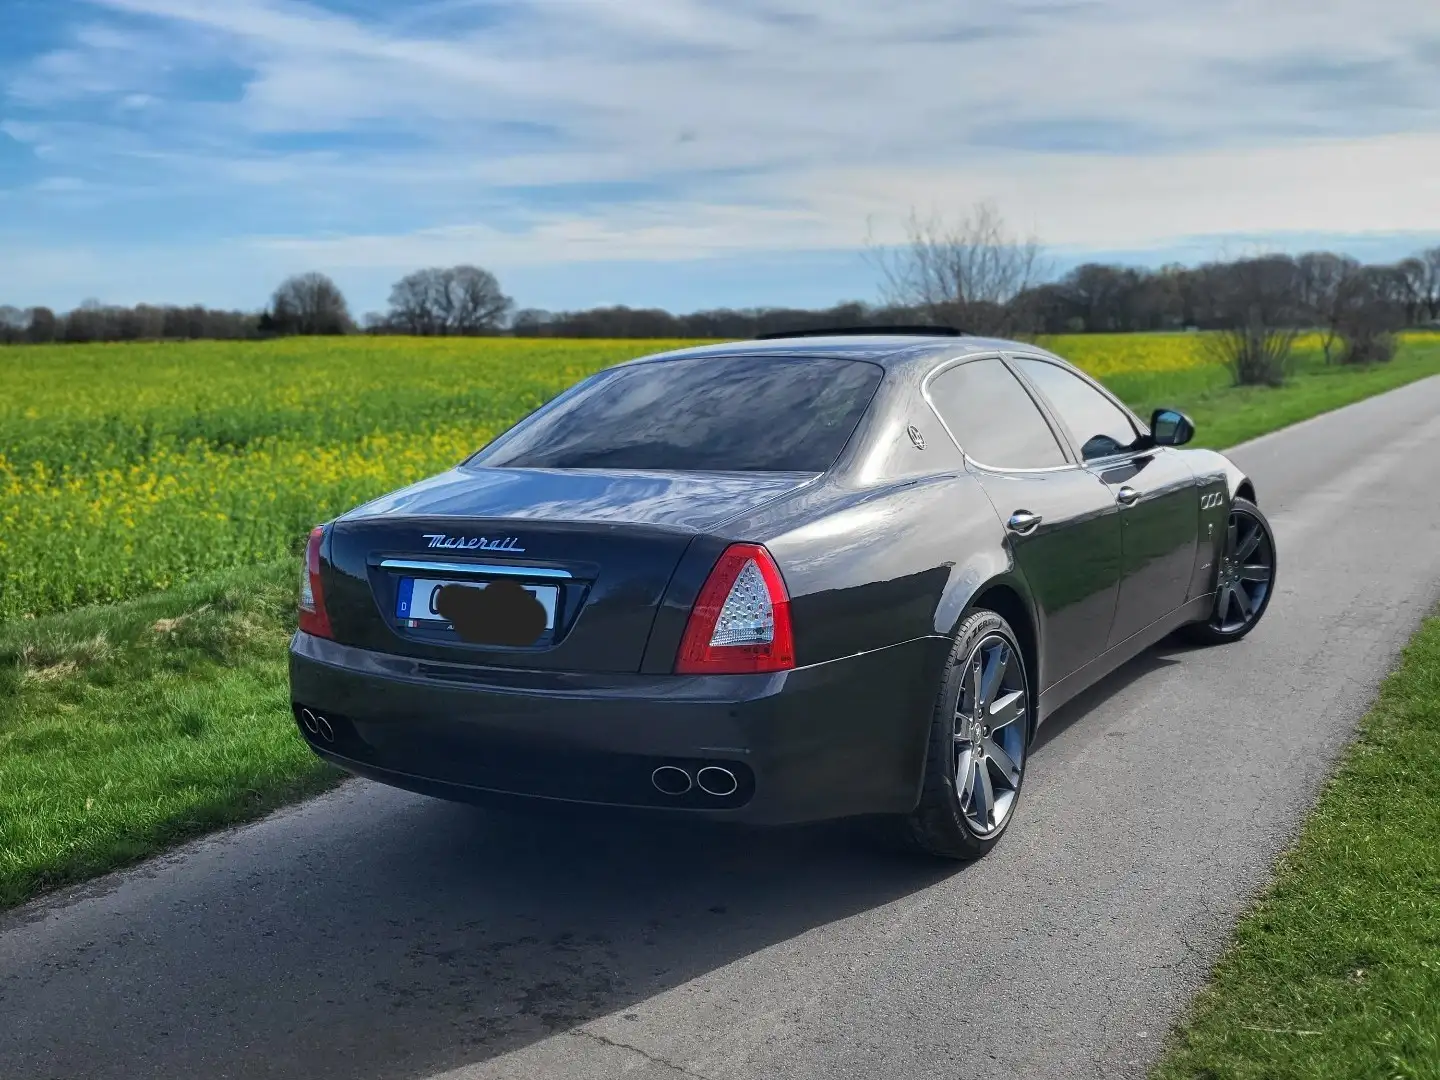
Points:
point(690, 153)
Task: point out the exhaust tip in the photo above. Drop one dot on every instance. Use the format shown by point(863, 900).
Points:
point(326, 731)
point(311, 722)
point(670, 780)
point(713, 780)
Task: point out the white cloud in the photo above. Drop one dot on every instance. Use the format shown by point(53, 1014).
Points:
point(744, 125)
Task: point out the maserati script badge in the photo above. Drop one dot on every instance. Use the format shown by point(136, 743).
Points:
point(473, 543)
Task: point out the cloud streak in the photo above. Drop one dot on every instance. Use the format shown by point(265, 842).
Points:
point(550, 130)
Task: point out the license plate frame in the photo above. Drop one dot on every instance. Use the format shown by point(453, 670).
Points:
point(415, 601)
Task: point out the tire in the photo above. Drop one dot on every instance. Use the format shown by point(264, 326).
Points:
point(944, 823)
point(1237, 594)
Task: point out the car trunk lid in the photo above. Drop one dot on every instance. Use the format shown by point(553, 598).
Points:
point(597, 548)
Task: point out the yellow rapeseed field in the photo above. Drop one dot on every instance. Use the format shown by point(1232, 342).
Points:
point(126, 468)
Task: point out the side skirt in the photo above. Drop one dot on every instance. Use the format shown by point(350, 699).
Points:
point(1062, 691)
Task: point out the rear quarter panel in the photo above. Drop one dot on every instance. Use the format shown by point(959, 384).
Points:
point(876, 568)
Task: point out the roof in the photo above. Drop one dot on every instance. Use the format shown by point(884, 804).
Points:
point(888, 350)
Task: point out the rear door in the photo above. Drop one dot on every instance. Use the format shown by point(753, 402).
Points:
point(1154, 490)
point(1061, 520)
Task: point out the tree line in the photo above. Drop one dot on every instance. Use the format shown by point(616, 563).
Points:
point(972, 274)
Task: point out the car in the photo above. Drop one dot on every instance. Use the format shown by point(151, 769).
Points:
point(793, 579)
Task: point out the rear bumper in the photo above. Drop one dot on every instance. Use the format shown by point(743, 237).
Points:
point(833, 740)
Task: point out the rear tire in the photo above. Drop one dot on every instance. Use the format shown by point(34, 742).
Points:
point(1244, 580)
point(979, 744)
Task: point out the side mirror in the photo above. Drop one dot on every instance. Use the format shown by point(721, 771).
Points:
point(1171, 427)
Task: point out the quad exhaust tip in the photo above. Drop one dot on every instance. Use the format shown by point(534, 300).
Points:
point(713, 780)
point(670, 780)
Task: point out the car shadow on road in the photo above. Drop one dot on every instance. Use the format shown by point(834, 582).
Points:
point(378, 934)
point(1094, 698)
point(401, 937)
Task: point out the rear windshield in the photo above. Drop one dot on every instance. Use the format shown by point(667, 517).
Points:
point(711, 413)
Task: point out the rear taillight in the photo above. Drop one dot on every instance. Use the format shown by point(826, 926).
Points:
point(313, 619)
point(741, 619)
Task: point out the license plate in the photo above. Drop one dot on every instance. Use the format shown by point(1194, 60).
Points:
point(415, 601)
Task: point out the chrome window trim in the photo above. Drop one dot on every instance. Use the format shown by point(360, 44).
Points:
point(956, 361)
point(497, 569)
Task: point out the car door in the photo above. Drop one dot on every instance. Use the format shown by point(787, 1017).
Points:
point(1154, 489)
point(1061, 520)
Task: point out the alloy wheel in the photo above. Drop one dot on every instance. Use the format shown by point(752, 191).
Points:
point(990, 732)
point(1246, 570)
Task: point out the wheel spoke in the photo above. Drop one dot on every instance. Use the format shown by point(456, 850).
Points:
point(1252, 541)
point(983, 798)
point(965, 775)
point(1005, 711)
point(995, 665)
point(1227, 600)
point(1232, 538)
point(1255, 572)
point(1007, 766)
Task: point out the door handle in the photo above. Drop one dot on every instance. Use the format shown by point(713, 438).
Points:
point(1127, 496)
point(1023, 522)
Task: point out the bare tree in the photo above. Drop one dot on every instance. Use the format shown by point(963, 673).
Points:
point(13, 324)
point(309, 304)
point(1419, 277)
point(1257, 305)
point(967, 273)
point(1371, 307)
point(1431, 290)
point(42, 326)
point(1321, 278)
point(456, 300)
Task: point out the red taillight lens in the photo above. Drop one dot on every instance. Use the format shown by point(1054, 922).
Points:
point(741, 619)
point(313, 619)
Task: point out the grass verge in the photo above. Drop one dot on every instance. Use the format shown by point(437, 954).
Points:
point(1225, 415)
point(127, 728)
point(1335, 972)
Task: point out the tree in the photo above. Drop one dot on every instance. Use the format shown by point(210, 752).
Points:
point(1430, 291)
point(13, 324)
point(1372, 305)
point(967, 274)
point(309, 304)
point(1321, 279)
point(457, 300)
point(1256, 301)
point(42, 326)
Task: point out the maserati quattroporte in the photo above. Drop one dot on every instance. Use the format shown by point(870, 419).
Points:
point(782, 580)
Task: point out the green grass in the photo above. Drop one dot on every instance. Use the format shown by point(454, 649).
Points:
point(125, 729)
point(1225, 415)
point(1335, 973)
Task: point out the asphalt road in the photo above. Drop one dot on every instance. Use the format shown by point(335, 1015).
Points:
point(376, 934)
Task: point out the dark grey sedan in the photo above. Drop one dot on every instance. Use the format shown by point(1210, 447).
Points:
point(775, 581)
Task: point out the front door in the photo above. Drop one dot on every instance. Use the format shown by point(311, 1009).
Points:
point(1154, 491)
point(1160, 518)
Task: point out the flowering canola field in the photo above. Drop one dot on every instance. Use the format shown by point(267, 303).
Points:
point(125, 468)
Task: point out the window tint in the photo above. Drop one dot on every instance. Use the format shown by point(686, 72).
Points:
point(993, 418)
point(1097, 423)
point(712, 413)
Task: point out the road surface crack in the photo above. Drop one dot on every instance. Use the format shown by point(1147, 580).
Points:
point(607, 1041)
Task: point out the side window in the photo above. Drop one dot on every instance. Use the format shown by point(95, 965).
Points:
point(993, 417)
point(1100, 426)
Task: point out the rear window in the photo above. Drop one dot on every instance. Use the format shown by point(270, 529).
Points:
point(712, 413)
